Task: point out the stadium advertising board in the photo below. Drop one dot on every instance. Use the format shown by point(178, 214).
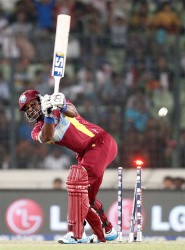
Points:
point(42, 214)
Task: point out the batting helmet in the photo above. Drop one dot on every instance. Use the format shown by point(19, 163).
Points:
point(26, 97)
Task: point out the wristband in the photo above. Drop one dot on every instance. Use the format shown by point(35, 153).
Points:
point(64, 108)
point(48, 120)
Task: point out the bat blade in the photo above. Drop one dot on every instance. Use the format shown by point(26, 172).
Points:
point(60, 49)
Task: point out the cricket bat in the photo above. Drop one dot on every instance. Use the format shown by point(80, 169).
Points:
point(60, 49)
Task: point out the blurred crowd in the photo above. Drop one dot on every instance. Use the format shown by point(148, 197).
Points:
point(125, 71)
point(173, 183)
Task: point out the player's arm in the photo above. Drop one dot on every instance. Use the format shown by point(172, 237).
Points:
point(71, 110)
point(48, 127)
point(42, 132)
point(47, 130)
point(47, 104)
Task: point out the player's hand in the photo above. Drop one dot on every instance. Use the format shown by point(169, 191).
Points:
point(46, 105)
point(58, 101)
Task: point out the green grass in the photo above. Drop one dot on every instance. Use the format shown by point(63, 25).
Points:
point(46, 245)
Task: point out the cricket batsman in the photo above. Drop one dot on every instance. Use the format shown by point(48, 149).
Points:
point(57, 121)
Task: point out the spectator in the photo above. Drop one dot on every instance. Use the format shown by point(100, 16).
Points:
point(17, 36)
point(8, 43)
point(182, 103)
point(167, 19)
point(155, 144)
point(179, 183)
point(4, 159)
point(44, 41)
point(57, 183)
point(56, 160)
point(73, 91)
point(24, 131)
point(79, 11)
point(140, 18)
point(22, 26)
point(4, 90)
point(87, 85)
point(45, 12)
point(182, 148)
point(3, 18)
point(164, 74)
point(136, 116)
point(29, 155)
point(114, 90)
point(168, 183)
point(5, 133)
point(21, 75)
point(103, 74)
point(25, 6)
point(25, 47)
point(73, 48)
point(25, 155)
point(137, 95)
point(138, 63)
point(118, 29)
point(41, 81)
point(88, 110)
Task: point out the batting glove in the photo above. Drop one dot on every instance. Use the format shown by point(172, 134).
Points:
point(46, 106)
point(58, 101)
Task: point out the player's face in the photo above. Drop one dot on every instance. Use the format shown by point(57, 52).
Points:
point(33, 110)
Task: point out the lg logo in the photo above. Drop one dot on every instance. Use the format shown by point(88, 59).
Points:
point(175, 219)
point(24, 217)
point(126, 214)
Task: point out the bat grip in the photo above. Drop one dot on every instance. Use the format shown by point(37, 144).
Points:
point(49, 110)
point(54, 108)
point(57, 84)
point(56, 88)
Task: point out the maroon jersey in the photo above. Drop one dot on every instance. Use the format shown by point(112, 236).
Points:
point(74, 133)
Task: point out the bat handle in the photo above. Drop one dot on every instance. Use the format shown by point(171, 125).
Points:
point(56, 88)
point(57, 84)
point(54, 108)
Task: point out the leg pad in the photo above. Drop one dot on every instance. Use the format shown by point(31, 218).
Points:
point(78, 201)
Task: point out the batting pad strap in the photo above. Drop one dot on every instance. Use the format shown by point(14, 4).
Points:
point(106, 223)
point(100, 211)
point(97, 207)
